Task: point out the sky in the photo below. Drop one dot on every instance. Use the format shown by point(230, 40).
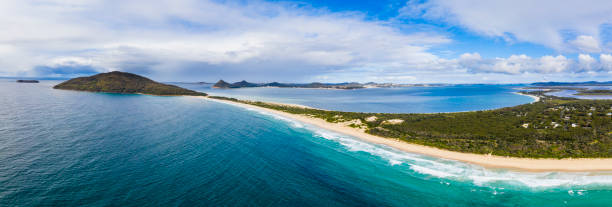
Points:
point(399, 41)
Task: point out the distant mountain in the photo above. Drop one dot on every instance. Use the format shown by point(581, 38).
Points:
point(121, 82)
point(588, 83)
point(345, 85)
point(222, 84)
point(245, 84)
point(274, 84)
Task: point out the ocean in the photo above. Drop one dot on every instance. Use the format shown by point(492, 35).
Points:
point(67, 148)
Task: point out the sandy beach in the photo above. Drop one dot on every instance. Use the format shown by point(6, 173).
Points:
point(293, 105)
point(524, 164)
point(535, 98)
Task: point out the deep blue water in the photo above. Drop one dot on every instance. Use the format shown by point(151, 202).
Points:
point(67, 148)
point(452, 98)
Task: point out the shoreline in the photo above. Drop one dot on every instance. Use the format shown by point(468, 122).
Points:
point(491, 161)
point(535, 98)
point(274, 102)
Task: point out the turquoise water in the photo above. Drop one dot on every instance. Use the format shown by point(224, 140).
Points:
point(451, 98)
point(66, 148)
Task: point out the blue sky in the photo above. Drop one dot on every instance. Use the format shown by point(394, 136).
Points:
point(464, 40)
point(402, 41)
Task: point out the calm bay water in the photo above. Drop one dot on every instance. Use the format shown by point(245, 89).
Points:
point(66, 148)
point(452, 98)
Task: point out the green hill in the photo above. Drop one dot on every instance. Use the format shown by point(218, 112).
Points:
point(121, 82)
point(222, 84)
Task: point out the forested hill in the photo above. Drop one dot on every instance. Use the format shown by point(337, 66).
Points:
point(121, 82)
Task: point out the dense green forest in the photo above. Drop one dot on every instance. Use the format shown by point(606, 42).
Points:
point(121, 82)
point(551, 128)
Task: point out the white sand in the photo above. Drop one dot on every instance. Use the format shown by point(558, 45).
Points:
point(535, 98)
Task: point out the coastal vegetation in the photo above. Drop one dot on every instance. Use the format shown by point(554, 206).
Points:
point(121, 82)
point(553, 127)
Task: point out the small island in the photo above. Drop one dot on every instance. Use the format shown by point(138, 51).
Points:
point(27, 81)
point(122, 82)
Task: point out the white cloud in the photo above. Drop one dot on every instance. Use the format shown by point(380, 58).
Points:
point(606, 62)
point(470, 57)
point(554, 64)
point(586, 43)
point(586, 62)
point(546, 22)
point(515, 64)
point(262, 41)
point(202, 37)
point(522, 64)
point(512, 64)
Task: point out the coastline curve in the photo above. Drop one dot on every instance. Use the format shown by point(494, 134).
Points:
point(490, 161)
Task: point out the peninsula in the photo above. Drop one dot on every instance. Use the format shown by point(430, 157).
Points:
point(549, 128)
point(551, 133)
point(526, 137)
point(122, 82)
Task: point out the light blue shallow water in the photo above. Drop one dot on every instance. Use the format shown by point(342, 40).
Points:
point(452, 98)
point(66, 148)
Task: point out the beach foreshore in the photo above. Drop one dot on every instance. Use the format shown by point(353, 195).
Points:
point(535, 98)
point(293, 105)
point(490, 161)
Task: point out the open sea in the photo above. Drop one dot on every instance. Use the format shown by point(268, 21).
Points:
point(67, 148)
